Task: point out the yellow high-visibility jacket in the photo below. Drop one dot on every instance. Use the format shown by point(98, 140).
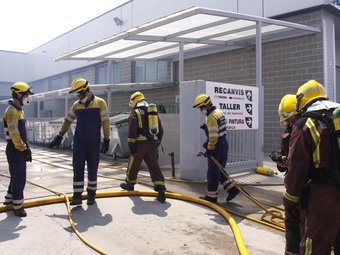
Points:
point(15, 126)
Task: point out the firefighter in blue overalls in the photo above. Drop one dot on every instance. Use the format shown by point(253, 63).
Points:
point(91, 113)
point(216, 146)
point(17, 150)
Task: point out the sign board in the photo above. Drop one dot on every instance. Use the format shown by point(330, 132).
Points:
point(239, 104)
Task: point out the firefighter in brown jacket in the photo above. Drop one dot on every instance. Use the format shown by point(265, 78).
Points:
point(310, 180)
point(287, 115)
point(143, 146)
point(294, 216)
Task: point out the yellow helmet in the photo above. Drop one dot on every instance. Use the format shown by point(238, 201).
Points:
point(308, 92)
point(20, 88)
point(202, 100)
point(79, 85)
point(287, 107)
point(135, 98)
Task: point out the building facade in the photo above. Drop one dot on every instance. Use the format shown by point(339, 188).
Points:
point(286, 63)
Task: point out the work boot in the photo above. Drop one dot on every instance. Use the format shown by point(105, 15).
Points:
point(91, 200)
point(232, 193)
point(161, 196)
point(127, 186)
point(210, 199)
point(76, 201)
point(20, 213)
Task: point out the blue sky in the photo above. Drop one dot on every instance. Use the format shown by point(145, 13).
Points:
point(27, 24)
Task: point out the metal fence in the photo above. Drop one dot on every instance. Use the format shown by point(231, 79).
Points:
point(41, 132)
point(168, 108)
point(242, 151)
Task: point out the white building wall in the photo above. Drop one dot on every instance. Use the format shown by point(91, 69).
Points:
point(39, 62)
point(12, 64)
point(278, 7)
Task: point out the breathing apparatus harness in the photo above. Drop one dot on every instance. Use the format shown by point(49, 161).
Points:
point(330, 175)
point(148, 121)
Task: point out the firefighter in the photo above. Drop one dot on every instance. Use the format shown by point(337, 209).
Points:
point(216, 146)
point(294, 216)
point(310, 181)
point(17, 149)
point(287, 115)
point(143, 146)
point(91, 113)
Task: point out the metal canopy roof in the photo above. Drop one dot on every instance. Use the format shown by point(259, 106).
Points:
point(193, 29)
point(98, 89)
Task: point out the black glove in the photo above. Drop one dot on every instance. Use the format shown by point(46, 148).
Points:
point(105, 146)
point(56, 141)
point(27, 155)
point(281, 169)
point(274, 156)
point(132, 148)
point(205, 145)
point(208, 153)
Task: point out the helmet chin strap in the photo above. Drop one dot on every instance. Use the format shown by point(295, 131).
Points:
point(20, 97)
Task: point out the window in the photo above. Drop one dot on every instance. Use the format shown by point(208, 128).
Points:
point(79, 74)
point(139, 71)
point(101, 74)
point(151, 71)
point(163, 71)
point(56, 83)
point(116, 72)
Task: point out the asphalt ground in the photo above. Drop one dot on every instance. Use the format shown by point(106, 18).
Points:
point(133, 224)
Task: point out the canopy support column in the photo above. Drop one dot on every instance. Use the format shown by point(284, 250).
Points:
point(181, 63)
point(259, 131)
point(109, 93)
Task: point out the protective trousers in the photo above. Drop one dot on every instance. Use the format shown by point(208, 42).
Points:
point(147, 151)
point(323, 221)
point(17, 170)
point(85, 152)
point(294, 224)
point(214, 174)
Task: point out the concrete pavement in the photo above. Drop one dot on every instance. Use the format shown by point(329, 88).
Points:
point(130, 225)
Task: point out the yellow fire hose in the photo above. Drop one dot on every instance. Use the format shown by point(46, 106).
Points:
point(275, 214)
point(116, 178)
point(271, 223)
point(62, 197)
point(265, 222)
